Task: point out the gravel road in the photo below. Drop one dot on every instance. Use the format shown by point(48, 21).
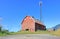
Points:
point(30, 36)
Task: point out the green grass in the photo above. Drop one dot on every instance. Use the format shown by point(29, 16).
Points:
point(3, 34)
point(56, 33)
point(27, 32)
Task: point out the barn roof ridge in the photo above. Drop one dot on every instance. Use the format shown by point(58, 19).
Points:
point(36, 20)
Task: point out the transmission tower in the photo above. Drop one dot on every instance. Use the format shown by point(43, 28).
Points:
point(40, 4)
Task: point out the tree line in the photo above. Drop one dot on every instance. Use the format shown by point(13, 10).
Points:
point(3, 31)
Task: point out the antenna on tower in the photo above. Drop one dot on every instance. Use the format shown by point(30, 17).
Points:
point(40, 4)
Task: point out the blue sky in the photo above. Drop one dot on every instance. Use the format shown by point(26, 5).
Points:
point(12, 12)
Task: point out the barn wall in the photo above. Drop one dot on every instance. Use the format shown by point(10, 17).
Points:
point(39, 27)
point(28, 24)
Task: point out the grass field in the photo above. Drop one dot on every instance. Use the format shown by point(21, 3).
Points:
point(57, 33)
point(3, 34)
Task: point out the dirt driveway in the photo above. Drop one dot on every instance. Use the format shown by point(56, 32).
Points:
point(30, 36)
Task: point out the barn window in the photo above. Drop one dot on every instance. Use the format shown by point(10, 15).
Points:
point(27, 29)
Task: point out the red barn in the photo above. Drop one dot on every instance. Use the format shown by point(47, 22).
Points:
point(31, 24)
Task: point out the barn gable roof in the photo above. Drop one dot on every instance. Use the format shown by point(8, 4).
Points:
point(36, 20)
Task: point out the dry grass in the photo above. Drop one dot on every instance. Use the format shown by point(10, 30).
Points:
point(57, 32)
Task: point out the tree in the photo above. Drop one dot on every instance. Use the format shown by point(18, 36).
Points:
point(5, 31)
point(0, 28)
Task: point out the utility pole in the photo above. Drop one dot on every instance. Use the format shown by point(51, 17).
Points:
point(40, 4)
